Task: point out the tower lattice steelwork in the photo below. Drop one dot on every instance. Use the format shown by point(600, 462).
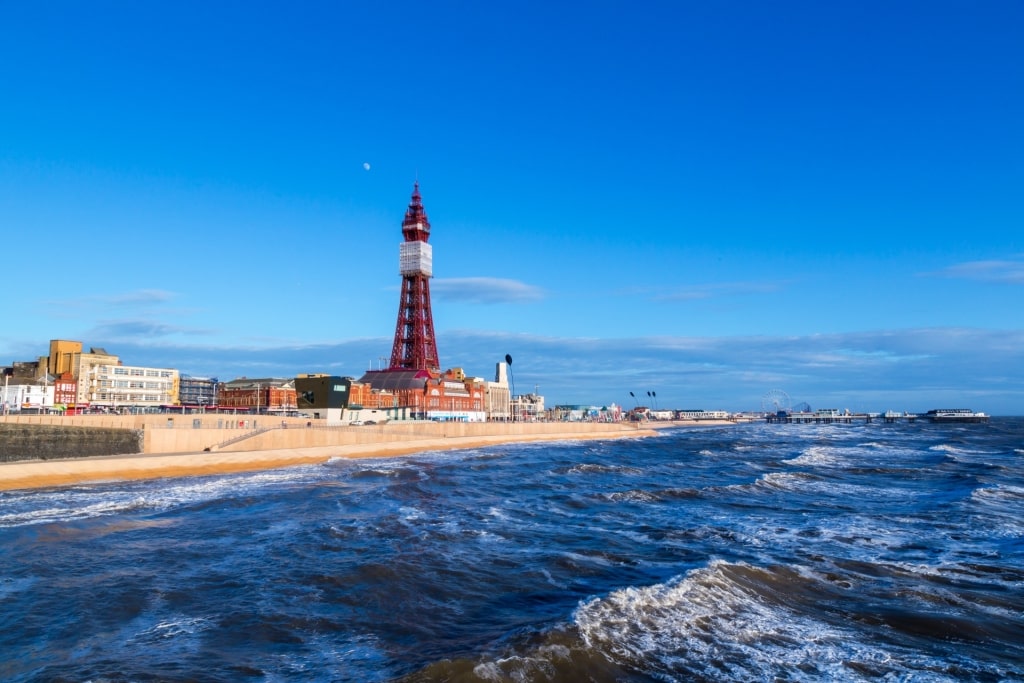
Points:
point(415, 346)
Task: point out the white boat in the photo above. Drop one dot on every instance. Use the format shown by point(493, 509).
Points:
point(955, 415)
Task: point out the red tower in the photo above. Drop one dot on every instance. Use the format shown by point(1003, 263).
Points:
point(415, 347)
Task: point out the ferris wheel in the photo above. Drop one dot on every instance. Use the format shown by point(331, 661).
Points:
point(774, 401)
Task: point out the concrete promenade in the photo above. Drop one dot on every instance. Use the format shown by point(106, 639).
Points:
point(267, 443)
point(193, 433)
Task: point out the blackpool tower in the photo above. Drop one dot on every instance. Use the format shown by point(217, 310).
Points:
point(415, 347)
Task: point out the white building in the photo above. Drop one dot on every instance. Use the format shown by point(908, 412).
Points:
point(527, 408)
point(105, 384)
point(33, 398)
point(498, 397)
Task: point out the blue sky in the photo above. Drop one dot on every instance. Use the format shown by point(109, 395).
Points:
point(704, 200)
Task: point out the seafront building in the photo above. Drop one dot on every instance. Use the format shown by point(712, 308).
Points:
point(197, 393)
point(105, 382)
point(26, 398)
point(528, 408)
point(94, 381)
point(586, 413)
point(498, 395)
point(265, 395)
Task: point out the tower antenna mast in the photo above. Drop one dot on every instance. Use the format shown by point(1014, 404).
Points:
point(415, 346)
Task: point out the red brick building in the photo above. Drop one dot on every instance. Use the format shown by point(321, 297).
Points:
point(267, 395)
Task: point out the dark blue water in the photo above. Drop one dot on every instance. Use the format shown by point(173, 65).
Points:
point(750, 553)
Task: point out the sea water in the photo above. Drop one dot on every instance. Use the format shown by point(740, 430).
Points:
point(868, 552)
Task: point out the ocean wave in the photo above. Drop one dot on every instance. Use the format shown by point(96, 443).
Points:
point(386, 472)
point(595, 468)
point(1000, 506)
point(116, 498)
point(632, 496)
point(818, 456)
point(786, 481)
point(72, 510)
point(954, 450)
point(1001, 493)
point(826, 491)
point(172, 628)
point(741, 622)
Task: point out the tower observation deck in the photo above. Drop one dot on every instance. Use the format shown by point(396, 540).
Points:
point(415, 347)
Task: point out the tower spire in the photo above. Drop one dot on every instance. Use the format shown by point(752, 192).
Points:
point(415, 347)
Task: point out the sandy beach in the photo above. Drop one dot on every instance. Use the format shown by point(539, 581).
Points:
point(49, 473)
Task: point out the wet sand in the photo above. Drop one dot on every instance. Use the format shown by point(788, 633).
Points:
point(51, 473)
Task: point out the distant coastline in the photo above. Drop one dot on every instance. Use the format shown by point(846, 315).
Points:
point(371, 443)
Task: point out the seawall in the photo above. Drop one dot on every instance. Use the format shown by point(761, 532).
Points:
point(52, 442)
point(87, 435)
point(289, 446)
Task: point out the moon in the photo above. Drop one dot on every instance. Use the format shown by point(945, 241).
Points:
point(366, 166)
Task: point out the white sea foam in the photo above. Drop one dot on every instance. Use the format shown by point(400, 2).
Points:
point(799, 482)
point(490, 537)
point(715, 623)
point(410, 514)
point(1001, 505)
point(785, 481)
point(1001, 493)
point(959, 450)
point(98, 500)
point(550, 579)
point(632, 496)
point(173, 628)
point(71, 510)
point(818, 456)
point(586, 560)
point(593, 468)
point(497, 513)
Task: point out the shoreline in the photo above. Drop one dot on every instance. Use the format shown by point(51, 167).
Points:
point(35, 474)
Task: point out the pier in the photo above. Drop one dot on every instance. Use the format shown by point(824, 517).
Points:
point(832, 416)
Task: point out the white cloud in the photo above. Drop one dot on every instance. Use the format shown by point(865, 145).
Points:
point(1006, 271)
point(141, 296)
point(484, 290)
point(118, 330)
point(913, 370)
